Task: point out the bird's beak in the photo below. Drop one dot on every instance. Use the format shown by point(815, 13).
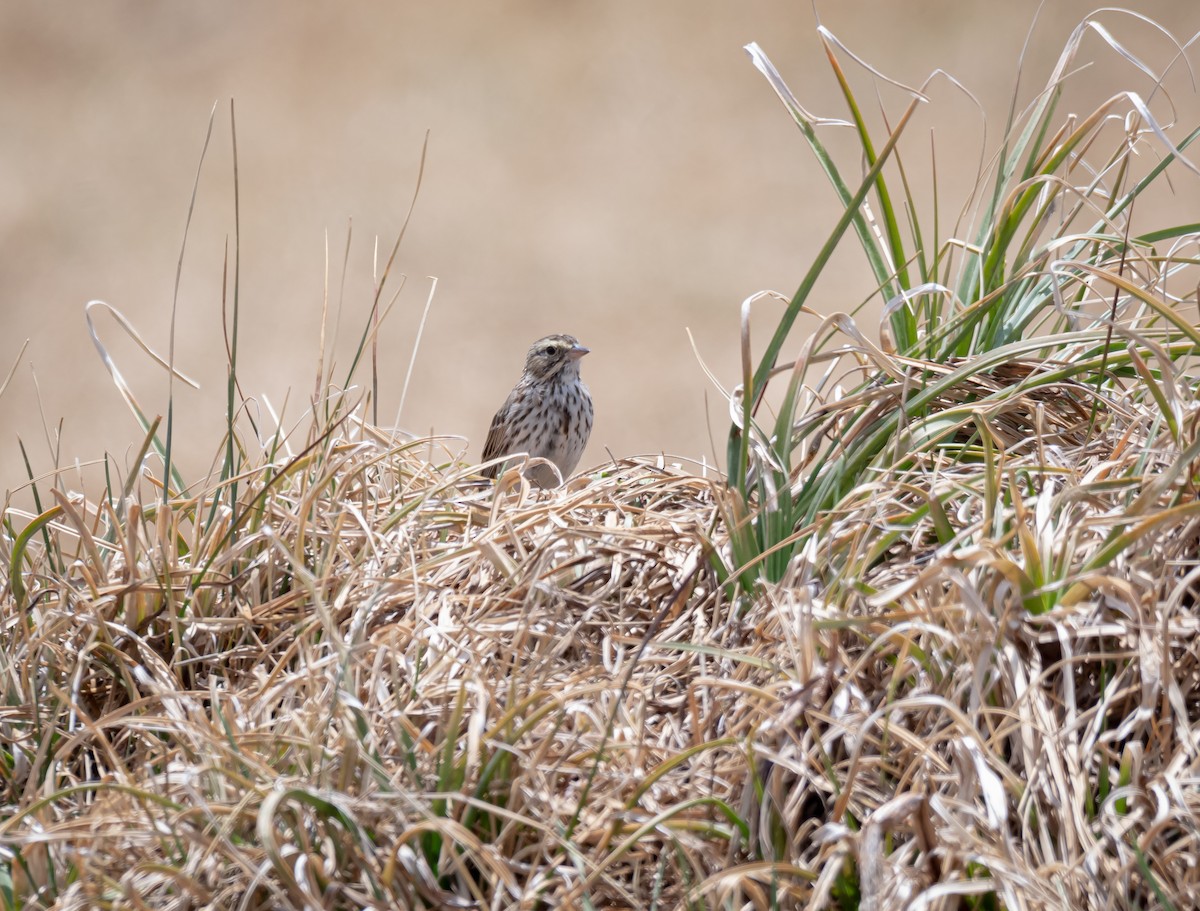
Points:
point(577, 351)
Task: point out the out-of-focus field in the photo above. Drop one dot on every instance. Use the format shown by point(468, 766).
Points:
point(616, 170)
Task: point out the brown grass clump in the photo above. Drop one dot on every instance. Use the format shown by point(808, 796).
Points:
point(372, 685)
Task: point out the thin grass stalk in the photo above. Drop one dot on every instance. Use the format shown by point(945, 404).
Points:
point(231, 468)
point(739, 439)
point(166, 492)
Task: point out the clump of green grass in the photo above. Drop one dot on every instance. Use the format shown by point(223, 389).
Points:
point(931, 644)
point(1016, 329)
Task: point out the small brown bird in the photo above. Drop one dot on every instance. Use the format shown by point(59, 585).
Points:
point(547, 415)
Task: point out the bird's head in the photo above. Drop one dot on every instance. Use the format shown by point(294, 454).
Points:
point(553, 356)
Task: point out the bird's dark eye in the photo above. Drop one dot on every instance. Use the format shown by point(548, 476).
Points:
point(549, 351)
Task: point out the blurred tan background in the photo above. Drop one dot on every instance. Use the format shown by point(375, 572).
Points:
point(615, 169)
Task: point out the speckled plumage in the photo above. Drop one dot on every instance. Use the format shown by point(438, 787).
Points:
point(547, 415)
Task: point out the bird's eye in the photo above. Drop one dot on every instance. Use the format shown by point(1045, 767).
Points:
point(549, 351)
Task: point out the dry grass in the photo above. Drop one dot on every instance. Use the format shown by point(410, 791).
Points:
point(373, 685)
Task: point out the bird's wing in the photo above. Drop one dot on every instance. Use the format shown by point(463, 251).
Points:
point(496, 439)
